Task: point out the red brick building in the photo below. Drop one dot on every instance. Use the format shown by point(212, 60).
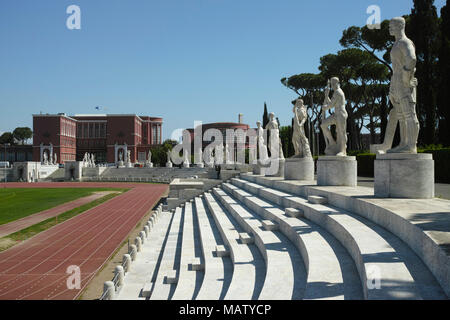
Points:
point(105, 136)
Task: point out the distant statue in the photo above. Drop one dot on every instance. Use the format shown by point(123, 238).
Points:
point(149, 156)
point(55, 158)
point(121, 156)
point(228, 159)
point(262, 148)
point(50, 161)
point(334, 147)
point(45, 158)
point(274, 140)
point(186, 162)
point(218, 154)
point(200, 155)
point(402, 93)
point(93, 160)
point(299, 139)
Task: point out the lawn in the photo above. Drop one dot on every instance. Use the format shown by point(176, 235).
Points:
point(19, 203)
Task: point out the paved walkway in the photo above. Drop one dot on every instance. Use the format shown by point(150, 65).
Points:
point(442, 190)
point(39, 268)
point(17, 225)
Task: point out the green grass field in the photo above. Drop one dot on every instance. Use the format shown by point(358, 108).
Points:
point(19, 203)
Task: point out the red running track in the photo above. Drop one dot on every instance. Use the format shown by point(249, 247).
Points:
point(36, 269)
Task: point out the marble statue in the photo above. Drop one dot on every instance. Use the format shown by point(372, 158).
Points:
point(200, 155)
point(93, 160)
point(128, 156)
point(402, 93)
point(55, 159)
point(45, 158)
point(228, 159)
point(169, 163)
point(274, 139)
point(149, 157)
point(186, 162)
point(262, 148)
point(299, 139)
point(209, 158)
point(50, 161)
point(121, 156)
point(334, 147)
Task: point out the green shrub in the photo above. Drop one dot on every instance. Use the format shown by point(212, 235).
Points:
point(441, 157)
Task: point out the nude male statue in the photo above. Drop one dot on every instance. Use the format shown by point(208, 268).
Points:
point(402, 93)
point(336, 147)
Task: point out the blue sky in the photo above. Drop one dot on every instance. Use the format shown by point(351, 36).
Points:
point(183, 60)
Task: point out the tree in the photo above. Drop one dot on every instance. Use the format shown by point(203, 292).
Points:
point(359, 73)
point(7, 137)
point(308, 86)
point(443, 98)
point(377, 43)
point(159, 153)
point(22, 134)
point(423, 29)
point(265, 116)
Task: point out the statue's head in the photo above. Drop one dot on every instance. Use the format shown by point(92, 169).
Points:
point(335, 83)
point(271, 116)
point(299, 103)
point(397, 25)
point(258, 124)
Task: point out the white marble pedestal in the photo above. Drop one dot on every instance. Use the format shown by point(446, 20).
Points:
point(299, 169)
point(337, 171)
point(276, 168)
point(200, 165)
point(129, 165)
point(403, 175)
point(169, 165)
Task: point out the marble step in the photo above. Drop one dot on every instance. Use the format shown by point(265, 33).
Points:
point(188, 279)
point(421, 224)
point(139, 279)
point(285, 280)
point(170, 261)
point(248, 265)
point(383, 268)
point(213, 267)
point(326, 261)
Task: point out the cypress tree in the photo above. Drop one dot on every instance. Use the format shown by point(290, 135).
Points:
point(444, 77)
point(265, 116)
point(423, 29)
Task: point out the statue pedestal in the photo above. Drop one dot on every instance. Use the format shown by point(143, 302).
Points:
point(403, 175)
point(169, 165)
point(200, 165)
point(120, 164)
point(276, 168)
point(186, 165)
point(149, 165)
point(129, 165)
point(299, 169)
point(337, 171)
point(259, 168)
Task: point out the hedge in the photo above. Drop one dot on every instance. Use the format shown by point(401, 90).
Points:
point(441, 164)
